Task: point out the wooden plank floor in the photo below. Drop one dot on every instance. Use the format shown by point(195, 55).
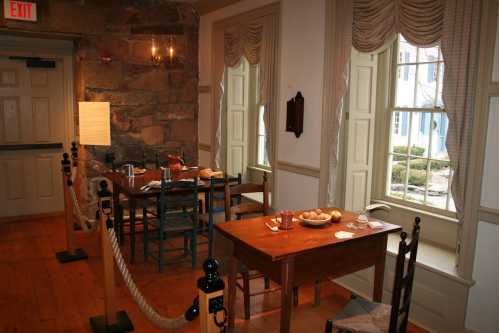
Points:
point(39, 295)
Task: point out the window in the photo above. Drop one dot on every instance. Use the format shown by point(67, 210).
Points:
point(418, 169)
point(262, 156)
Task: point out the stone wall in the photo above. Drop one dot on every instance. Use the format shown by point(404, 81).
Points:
point(153, 108)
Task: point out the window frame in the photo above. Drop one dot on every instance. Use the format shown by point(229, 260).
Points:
point(383, 137)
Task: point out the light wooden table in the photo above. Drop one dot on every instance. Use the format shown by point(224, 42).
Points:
point(302, 255)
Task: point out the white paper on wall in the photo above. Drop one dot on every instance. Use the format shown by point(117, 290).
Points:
point(94, 123)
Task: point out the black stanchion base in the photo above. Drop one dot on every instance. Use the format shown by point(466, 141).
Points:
point(123, 324)
point(66, 256)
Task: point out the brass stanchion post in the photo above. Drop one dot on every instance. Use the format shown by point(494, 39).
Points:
point(112, 321)
point(71, 253)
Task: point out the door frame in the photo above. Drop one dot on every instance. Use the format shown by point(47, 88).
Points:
point(57, 49)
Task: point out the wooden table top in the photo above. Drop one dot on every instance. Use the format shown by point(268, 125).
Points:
point(131, 185)
point(300, 239)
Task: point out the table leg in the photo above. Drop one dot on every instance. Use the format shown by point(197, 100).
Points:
point(287, 273)
point(118, 222)
point(206, 202)
point(132, 229)
point(233, 265)
point(379, 270)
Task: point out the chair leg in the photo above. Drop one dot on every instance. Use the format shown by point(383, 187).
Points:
point(145, 238)
point(161, 245)
point(194, 251)
point(186, 243)
point(266, 282)
point(246, 295)
point(210, 237)
point(329, 327)
point(317, 293)
point(295, 296)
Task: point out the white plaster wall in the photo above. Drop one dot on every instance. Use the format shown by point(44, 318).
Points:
point(303, 26)
point(204, 158)
point(296, 191)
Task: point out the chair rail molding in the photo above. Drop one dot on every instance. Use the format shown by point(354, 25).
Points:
point(299, 169)
point(204, 147)
point(489, 215)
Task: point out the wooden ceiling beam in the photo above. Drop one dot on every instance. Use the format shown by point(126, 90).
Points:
point(207, 6)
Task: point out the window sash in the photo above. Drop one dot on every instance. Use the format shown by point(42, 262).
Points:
point(392, 108)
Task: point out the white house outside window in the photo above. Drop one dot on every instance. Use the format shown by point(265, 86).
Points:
point(418, 164)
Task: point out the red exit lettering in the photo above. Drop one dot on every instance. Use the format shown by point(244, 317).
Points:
point(20, 10)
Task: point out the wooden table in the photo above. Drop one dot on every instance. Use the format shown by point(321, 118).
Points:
point(302, 255)
point(130, 187)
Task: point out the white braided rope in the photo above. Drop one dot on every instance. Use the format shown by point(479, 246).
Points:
point(147, 310)
point(82, 219)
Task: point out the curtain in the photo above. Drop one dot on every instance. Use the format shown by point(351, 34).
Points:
point(453, 23)
point(459, 45)
point(376, 21)
point(256, 41)
point(342, 41)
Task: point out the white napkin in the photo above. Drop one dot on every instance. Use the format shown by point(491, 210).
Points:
point(343, 234)
point(375, 225)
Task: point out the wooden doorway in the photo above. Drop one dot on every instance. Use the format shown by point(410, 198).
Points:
point(35, 126)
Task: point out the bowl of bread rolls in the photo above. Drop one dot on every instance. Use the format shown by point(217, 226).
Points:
point(315, 217)
point(208, 173)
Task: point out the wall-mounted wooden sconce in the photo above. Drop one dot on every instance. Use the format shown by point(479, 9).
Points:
point(294, 117)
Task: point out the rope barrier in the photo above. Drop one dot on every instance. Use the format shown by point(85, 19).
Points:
point(147, 310)
point(84, 221)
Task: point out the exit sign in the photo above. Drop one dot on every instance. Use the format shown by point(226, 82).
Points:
point(19, 10)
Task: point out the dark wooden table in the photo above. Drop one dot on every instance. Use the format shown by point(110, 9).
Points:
point(130, 187)
point(302, 255)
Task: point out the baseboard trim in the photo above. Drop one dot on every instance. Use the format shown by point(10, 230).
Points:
point(299, 169)
point(24, 218)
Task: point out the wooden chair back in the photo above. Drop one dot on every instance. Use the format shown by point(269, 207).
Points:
point(217, 192)
point(402, 286)
point(243, 207)
point(178, 201)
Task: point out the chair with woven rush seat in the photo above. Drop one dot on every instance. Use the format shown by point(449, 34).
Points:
point(177, 215)
point(363, 316)
point(216, 206)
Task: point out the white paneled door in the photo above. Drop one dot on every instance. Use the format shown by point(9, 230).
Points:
point(360, 126)
point(31, 119)
point(237, 118)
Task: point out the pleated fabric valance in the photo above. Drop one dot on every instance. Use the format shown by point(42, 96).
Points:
point(254, 38)
point(376, 22)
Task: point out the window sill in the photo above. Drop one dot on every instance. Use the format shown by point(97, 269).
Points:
point(260, 168)
point(431, 257)
point(417, 210)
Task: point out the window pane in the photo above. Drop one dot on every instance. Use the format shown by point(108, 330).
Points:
point(417, 180)
point(407, 52)
point(440, 102)
point(438, 184)
point(420, 133)
point(406, 80)
point(399, 133)
point(428, 54)
point(426, 85)
point(439, 131)
point(397, 170)
point(261, 122)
